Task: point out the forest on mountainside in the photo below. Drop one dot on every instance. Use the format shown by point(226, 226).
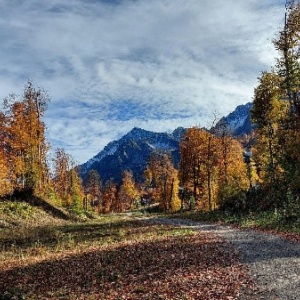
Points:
point(216, 170)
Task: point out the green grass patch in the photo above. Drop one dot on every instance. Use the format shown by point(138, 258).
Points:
point(269, 220)
point(24, 242)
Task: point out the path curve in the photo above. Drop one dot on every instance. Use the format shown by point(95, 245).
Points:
point(273, 262)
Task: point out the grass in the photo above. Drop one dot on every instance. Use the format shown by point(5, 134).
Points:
point(115, 257)
point(268, 220)
point(18, 213)
point(25, 242)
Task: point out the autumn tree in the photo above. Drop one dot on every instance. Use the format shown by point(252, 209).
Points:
point(276, 112)
point(25, 138)
point(163, 177)
point(76, 190)
point(212, 168)
point(110, 197)
point(61, 176)
point(128, 193)
point(232, 174)
point(6, 181)
point(198, 166)
point(67, 182)
point(93, 189)
point(288, 65)
point(269, 113)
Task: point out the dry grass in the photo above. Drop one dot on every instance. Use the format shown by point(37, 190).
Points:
point(116, 257)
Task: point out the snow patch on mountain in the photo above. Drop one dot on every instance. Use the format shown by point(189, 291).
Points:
point(237, 122)
point(137, 136)
point(161, 146)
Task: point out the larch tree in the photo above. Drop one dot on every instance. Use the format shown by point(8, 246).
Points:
point(128, 193)
point(26, 137)
point(162, 176)
point(212, 168)
point(76, 190)
point(66, 181)
point(61, 176)
point(93, 189)
point(269, 113)
point(198, 171)
point(288, 65)
point(192, 163)
point(6, 186)
point(109, 198)
point(232, 174)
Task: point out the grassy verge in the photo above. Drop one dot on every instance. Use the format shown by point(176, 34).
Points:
point(269, 220)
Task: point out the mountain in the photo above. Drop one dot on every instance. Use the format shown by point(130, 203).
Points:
point(238, 122)
point(132, 152)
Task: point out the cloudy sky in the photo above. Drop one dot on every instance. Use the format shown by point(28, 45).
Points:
point(111, 65)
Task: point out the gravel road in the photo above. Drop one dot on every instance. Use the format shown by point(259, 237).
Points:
point(273, 262)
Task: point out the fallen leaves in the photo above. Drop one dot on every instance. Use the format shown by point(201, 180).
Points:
point(151, 263)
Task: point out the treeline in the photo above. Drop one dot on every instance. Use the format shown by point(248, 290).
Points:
point(212, 174)
point(211, 171)
point(272, 157)
point(276, 112)
point(215, 172)
point(24, 163)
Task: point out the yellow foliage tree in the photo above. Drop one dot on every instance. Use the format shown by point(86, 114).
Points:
point(163, 177)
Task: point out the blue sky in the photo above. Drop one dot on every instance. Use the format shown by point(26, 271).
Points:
point(109, 66)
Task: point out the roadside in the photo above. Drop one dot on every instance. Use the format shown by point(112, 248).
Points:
point(273, 262)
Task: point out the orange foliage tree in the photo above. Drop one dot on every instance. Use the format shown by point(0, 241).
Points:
point(211, 168)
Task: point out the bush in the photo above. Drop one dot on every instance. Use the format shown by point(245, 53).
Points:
point(233, 201)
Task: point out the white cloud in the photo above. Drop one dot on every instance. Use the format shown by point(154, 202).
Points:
point(171, 62)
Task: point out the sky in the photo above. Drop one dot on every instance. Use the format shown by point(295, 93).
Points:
point(111, 65)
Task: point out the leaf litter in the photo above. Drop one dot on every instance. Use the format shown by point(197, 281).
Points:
point(148, 262)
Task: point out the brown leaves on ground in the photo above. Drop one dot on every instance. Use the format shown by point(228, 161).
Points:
point(168, 265)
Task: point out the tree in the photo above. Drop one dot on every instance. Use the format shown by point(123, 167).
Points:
point(67, 183)
point(6, 186)
point(269, 113)
point(162, 177)
point(93, 188)
point(25, 133)
point(288, 47)
point(128, 193)
point(232, 175)
point(199, 158)
point(110, 200)
point(212, 168)
point(61, 176)
point(76, 190)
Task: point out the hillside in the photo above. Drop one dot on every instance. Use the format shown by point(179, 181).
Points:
point(22, 214)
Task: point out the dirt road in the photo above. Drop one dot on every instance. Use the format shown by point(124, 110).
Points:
point(273, 262)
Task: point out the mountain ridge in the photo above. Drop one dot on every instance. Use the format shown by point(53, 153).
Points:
point(132, 151)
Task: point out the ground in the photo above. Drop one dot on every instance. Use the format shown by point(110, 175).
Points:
point(145, 257)
point(118, 258)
